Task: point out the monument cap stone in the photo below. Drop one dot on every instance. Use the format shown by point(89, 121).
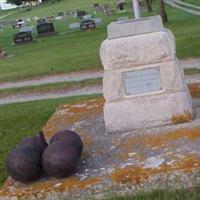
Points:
point(133, 27)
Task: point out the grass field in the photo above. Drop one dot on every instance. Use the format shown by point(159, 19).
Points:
point(72, 52)
point(80, 50)
point(25, 119)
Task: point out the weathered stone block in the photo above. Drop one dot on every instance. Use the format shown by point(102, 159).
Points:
point(170, 73)
point(147, 111)
point(132, 51)
point(134, 27)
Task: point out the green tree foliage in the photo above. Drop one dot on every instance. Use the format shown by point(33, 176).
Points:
point(16, 2)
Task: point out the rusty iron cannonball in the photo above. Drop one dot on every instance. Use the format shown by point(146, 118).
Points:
point(24, 164)
point(70, 138)
point(59, 160)
point(38, 142)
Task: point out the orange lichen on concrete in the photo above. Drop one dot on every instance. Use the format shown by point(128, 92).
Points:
point(152, 142)
point(77, 184)
point(181, 118)
point(45, 187)
point(69, 114)
point(194, 89)
point(137, 174)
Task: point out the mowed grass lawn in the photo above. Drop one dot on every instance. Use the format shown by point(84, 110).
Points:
point(80, 50)
point(25, 119)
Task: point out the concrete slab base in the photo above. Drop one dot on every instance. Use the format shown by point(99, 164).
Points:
point(118, 164)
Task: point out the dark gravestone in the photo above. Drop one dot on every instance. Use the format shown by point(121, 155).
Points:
point(41, 21)
point(81, 13)
point(23, 37)
point(61, 14)
point(87, 25)
point(121, 6)
point(45, 29)
point(96, 5)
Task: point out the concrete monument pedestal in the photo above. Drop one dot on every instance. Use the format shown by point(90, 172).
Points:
point(143, 82)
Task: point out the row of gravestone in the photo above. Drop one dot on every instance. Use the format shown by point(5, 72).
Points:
point(25, 34)
point(106, 8)
point(45, 29)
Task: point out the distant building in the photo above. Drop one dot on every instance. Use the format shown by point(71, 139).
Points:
point(6, 6)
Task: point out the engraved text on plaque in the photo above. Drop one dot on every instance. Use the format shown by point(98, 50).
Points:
point(142, 81)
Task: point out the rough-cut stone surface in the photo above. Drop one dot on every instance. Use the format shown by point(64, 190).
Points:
point(118, 164)
point(132, 51)
point(171, 79)
point(134, 27)
point(146, 111)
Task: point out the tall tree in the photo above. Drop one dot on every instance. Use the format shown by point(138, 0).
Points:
point(149, 5)
point(161, 10)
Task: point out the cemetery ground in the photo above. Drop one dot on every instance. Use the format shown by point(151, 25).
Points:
point(55, 55)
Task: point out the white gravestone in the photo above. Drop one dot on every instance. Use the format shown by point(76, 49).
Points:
point(143, 82)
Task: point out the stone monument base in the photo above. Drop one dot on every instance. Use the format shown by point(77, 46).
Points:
point(143, 82)
point(118, 164)
point(144, 112)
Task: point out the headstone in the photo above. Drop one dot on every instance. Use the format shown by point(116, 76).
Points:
point(109, 12)
point(28, 19)
point(87, 25)
point(41, 21)
point(49, 19)
point(95, 5)
point(46, 29)
point(36, 18)
point(80, 14)
point(23, 37)
point(20, 22)
point(120, 6)
point(15, 24)
point(61, 14)
point(98, 21)
point(85, 17)
point(100, 9)
point(74, 26)
point(26, 29)
point(58, 18)
point(143, 81)
point(3, 54)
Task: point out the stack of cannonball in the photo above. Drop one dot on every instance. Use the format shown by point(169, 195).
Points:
point(33, 155)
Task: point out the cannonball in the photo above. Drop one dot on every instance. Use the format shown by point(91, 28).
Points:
point(59, 160)
point(24, 164)
point(70, 138)
point(38, 142)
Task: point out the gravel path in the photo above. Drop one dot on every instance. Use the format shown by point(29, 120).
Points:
point(79, 76)
point(191, 63)
point(179, 6)
point(76, 76)
point(50, 95)
point(4, 16)
point(25, 97)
